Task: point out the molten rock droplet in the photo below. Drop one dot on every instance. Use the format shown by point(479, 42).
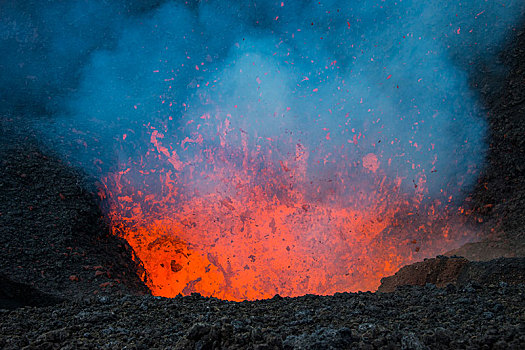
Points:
point(370, 162)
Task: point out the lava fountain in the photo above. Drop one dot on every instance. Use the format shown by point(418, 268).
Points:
point(230, 215)
point(252, 148)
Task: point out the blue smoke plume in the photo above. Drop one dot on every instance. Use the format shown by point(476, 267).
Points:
point(344, 79)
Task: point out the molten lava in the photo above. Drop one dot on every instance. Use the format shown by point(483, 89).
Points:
point(238, 217)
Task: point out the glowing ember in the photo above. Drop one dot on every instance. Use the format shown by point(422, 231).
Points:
point(370, 162)
point(248, 149)
point(251, 222)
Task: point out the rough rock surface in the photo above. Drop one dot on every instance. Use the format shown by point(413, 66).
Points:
point(54, 243)
point(442, 271)
point(439, 271)
point(473, 317)
point(499, 198)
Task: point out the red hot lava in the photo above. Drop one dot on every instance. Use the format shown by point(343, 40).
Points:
point(235, 217)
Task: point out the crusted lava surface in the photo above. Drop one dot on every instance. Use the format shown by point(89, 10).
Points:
point(65, 282)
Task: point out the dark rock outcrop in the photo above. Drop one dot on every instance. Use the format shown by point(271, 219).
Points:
point(443, 271)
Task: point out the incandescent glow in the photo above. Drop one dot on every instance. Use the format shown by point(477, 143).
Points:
point(248, 148)
point(231, 216)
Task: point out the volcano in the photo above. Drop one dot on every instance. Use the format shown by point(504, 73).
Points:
point(249, 222)
point(262, 174)
point(313, 152)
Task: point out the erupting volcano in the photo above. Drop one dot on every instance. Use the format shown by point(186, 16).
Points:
point(249, 222)
point(247, 149)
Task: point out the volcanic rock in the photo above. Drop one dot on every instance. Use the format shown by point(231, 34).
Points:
point(443, 271)
point(53, 238)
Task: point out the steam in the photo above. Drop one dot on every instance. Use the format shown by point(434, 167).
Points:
point(344, 79)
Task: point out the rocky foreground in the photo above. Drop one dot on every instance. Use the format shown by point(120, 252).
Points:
point(65, 283)
point(471, 317)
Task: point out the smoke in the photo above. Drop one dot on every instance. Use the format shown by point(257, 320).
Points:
point(343, 79)
point(255, 147)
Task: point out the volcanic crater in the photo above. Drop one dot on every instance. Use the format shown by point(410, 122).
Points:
point(82, 266)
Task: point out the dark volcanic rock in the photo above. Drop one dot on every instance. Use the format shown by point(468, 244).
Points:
point(502, 270)
point(54, 242)
point(473, 317)
point(499, 197)
point(15, 294)
point(442, 271)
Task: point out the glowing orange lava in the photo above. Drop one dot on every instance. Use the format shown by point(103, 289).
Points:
point(238, 219)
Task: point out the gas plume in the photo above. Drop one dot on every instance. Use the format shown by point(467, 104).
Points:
point(247, 148)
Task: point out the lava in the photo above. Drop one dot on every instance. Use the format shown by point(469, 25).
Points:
point(229, 215)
